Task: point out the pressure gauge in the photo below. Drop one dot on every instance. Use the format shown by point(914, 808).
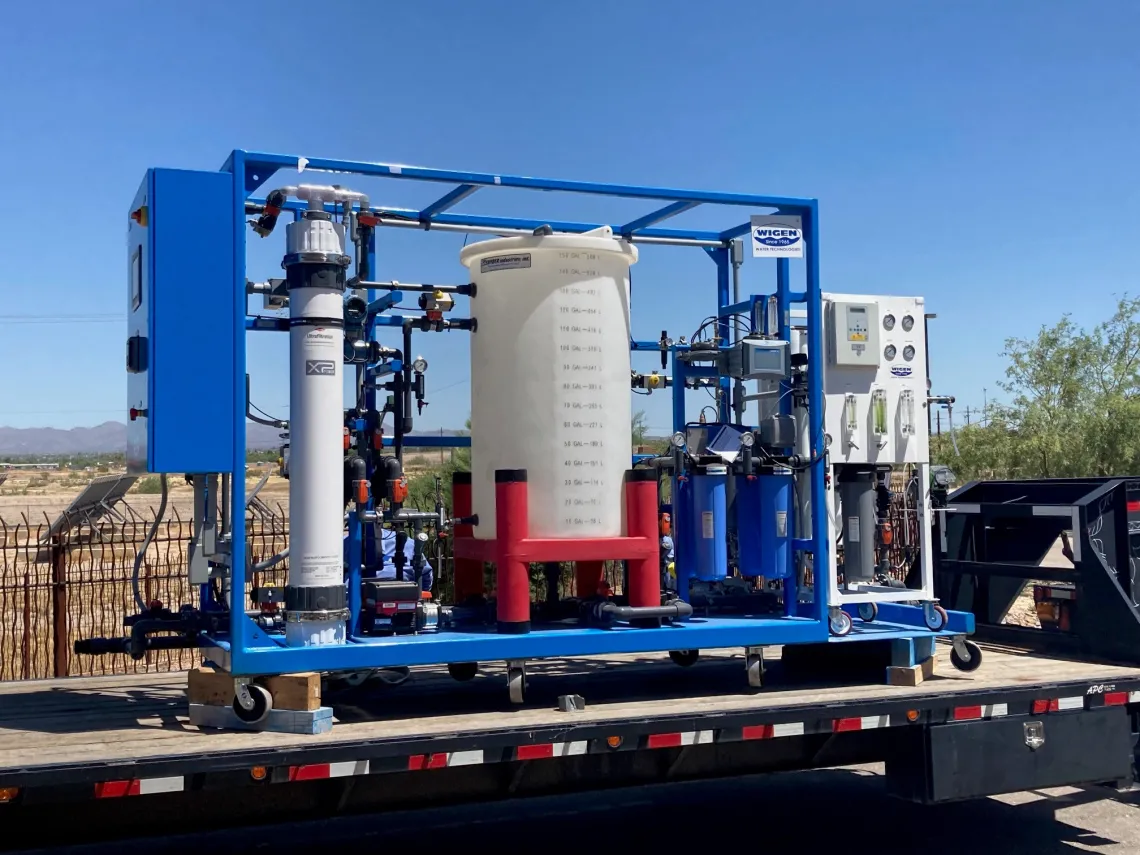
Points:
point(889, 352)
point(888, 322)
point(420, 365)
point(422, 537)
point(907, 323)
point(678, 440)
point(748, 439)
point(908, 352)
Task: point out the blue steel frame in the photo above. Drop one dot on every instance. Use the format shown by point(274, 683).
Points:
point(251, 651)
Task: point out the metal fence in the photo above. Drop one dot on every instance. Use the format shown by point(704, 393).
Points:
point(57, 588)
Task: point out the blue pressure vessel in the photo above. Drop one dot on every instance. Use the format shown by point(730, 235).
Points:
point(708, 522)
point(764, 525)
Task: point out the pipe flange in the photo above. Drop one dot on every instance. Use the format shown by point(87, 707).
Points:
point(323, 615)
point(336, 258)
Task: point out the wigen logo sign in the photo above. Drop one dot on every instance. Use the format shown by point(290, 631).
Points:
point(777, 235)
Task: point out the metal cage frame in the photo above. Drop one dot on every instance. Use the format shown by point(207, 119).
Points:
point(248, 650)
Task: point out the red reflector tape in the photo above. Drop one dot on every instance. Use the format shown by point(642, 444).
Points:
point(759, 731)
point(664, 740)
point(536, 752)
point(313, 772)
point(1133, 507)
point(846, 725)
point(427, 761)
point(966, 713)
point(1114, 699)
point(117, 789)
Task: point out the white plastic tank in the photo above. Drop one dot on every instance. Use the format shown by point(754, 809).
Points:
point(550, 372)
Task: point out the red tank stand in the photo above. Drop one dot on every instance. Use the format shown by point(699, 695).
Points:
point(513, 550)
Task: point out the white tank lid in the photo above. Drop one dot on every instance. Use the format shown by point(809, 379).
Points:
point(597, 240)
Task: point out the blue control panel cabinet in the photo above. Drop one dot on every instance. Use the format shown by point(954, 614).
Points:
point(181, 309)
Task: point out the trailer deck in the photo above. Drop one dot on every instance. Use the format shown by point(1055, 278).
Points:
point(133, 728)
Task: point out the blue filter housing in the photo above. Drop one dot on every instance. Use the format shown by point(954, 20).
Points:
point(763, 523)
point(708, 522)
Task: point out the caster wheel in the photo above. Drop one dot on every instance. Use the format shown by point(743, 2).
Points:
point(935, 616)
point(868, 612)
point(685, 658)
point(840, 623)
point(971, 664)
point(754, 663)
point(516, 683)
point(262, 705)
point(463, 671)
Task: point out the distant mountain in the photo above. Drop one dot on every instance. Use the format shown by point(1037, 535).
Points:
point(107, 437)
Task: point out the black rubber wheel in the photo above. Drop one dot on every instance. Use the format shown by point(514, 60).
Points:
point(868, 612)
point(262, 705)
point(936, 621)
point(463, 671)
point(975, 658)
point(685, 658)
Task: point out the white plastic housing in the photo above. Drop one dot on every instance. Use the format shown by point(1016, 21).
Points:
point(314, 236)
point(316, 441)
point(550, 386)
point(906, 439)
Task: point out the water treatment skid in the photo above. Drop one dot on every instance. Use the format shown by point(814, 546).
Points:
point(759, 509)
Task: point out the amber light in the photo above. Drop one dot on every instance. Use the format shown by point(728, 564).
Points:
point(614, 741)
point(912, 715)
point(8, 794)
point(258, 773)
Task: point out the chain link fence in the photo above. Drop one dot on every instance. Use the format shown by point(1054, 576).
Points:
point(56, 588)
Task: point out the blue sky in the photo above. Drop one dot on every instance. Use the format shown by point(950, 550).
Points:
point(981, 154)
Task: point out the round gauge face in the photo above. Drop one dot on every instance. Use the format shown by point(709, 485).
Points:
point(889, 352)
point(907, 323)
point(908, 353)
point(419, 365)
point(678, 439)
point(747, 439)
point(888, 322)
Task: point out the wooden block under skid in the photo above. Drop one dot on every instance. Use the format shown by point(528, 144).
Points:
point(278, 721)
point(910, 675)
point(290, 691)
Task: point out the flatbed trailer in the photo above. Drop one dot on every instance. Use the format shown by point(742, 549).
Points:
point(116, 755)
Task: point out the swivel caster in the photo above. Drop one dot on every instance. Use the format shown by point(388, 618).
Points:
point(516, 681)
point(840, 623)
point(965, 655)
point(868, 612)
point(685, 658)
point(935, 616)
point(463, 671)
point(252, 703)
point(754, 664)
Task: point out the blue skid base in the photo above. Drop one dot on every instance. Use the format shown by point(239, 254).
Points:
point(267, 656)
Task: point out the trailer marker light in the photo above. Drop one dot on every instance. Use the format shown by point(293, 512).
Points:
point(8, 794)
point(614, 741)
point(259, 773)
point(912, 715)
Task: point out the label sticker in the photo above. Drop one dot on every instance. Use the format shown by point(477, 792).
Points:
point(853, 529)
point(781, 523)
point(707, 531)
point(504, 262)
point(320, 367)
point(901, 370)
point(777, 235)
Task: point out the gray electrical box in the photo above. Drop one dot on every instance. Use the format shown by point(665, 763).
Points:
point(754, 358)
point(853, 337)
